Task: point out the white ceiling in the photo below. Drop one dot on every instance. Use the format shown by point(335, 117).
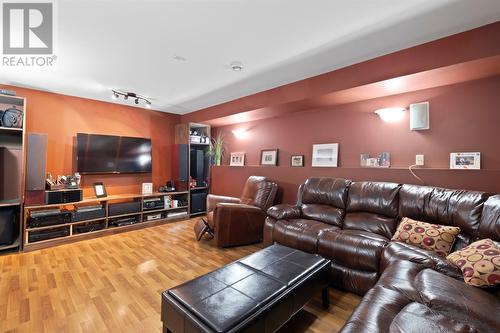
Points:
point(131, 45)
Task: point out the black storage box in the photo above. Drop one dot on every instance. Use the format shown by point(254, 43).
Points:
point(124, 208)
point(7, 222)
point(198, 202)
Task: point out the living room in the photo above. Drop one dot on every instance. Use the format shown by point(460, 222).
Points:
point(215, 166)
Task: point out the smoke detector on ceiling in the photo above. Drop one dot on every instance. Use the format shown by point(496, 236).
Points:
point(236, 66)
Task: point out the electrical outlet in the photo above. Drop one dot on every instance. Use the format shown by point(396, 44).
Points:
point(419, 159)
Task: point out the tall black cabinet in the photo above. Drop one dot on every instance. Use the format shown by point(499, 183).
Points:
point(193, 140)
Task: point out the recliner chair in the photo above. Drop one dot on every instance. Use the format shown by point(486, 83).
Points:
point(240, 221)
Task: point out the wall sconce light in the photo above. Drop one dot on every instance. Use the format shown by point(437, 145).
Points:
point(391, 114)
point(240, 134)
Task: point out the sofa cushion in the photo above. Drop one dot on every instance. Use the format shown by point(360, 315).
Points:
point(373, 197)
point(352, 248)
point(370, 222)
point(323, 213)
point(396, 252)
point(416, 317)
point(490, 219)
point(457, 208)
point(284, 211)
point(300, 234)
point(325, 191)
point(479, 262)
point(412, 298)
point(432, 237)
point(353, 280)
point(324, 199)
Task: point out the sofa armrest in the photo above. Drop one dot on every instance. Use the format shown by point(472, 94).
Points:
point(213, 200)
point(401, 251)
point(284, 212)
point(238, 224)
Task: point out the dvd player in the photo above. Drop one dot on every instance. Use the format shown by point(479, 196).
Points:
point(44, 218)
point(40, 235)
point(153, 203)
point(123, 221)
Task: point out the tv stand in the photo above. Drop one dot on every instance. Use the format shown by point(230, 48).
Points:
point(91, 228)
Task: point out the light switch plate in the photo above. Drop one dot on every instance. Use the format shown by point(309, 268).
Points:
point(419, 159)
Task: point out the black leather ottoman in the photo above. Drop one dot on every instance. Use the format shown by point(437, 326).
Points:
point(258, 293)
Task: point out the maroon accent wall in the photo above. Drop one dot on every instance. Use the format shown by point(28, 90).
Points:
point(475, 44)
point(463, 117)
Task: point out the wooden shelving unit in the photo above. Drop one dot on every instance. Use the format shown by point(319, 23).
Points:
point(183, 137)
point(105, 223)
point(12, 164)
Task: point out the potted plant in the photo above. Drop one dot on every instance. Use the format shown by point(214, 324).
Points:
point(217, 149)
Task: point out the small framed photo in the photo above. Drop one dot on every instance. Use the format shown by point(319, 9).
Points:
point(325, 155)
point(297, 161)
point(237, 159)
point(269, 157)
point(147, 188)
point(100, 190)
point(465, 161)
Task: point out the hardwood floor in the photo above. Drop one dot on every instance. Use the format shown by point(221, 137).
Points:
point(113, 283)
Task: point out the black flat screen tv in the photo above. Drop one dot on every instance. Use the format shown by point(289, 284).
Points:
point(112, 154)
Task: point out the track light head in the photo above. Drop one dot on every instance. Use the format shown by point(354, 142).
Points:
point(136, 101)
point(148, 104)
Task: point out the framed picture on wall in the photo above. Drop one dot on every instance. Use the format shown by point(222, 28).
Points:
point(325, 155)
point(269, 157)
point(237, 159)
point(465, 161)
point(297, 161)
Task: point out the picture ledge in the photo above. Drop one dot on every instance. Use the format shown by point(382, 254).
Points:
point(369, 168)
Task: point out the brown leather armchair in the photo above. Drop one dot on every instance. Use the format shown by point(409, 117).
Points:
point(241, 221)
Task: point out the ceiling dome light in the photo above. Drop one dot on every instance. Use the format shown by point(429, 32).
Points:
point(236, 66)
point(391, 115)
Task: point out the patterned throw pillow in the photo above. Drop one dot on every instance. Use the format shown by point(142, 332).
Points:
point(432, 237)
point(479, 262)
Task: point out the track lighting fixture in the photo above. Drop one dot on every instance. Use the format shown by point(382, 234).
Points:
point(137, 98)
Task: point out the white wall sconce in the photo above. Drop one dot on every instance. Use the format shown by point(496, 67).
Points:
point(391, 115)
point(240, 133)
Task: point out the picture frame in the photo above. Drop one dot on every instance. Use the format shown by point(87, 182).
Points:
point(237, 159)
point(147, 188)
point(269, 157)
point(470, 161)
point(297, 161)
point(382, 160)
point(100, 190)
point(325, 155)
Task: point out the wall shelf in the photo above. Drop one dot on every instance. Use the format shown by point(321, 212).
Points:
point(9, 203)
point(11, 129)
